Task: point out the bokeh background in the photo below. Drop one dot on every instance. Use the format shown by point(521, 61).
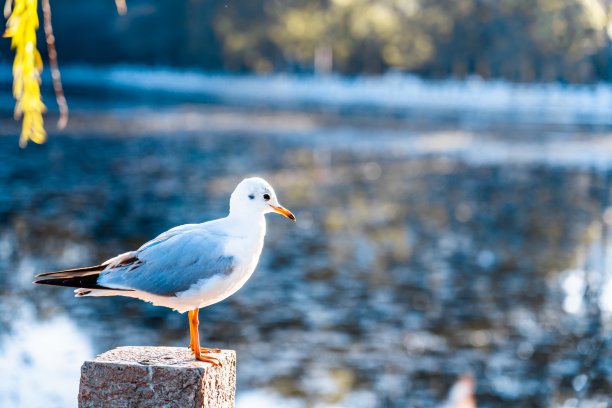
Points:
point(449, 164)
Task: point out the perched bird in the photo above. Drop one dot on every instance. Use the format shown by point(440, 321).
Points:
point(187, 267)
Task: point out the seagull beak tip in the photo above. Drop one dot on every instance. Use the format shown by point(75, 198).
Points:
point(283, 211)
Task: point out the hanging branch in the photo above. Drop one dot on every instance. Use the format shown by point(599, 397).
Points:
point(21, 28)
point(55, 73)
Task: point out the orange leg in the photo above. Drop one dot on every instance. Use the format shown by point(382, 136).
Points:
point(193, 333)
point(191, 341)
point(194, 344)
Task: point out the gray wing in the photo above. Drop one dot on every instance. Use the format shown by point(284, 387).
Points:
point(169, 234)
point(172, 262)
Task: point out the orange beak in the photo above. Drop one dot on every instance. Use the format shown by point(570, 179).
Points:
point(283, 211)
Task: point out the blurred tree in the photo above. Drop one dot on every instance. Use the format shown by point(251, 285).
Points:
point(518, 39)
point(525, 41)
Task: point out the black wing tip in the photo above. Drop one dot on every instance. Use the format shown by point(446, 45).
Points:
point(54, 282)
point(86, 282)
point(89, 281)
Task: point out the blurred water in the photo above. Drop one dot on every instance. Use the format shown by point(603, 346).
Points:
point(422, 251)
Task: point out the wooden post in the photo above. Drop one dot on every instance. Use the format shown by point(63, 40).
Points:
point(139, 377)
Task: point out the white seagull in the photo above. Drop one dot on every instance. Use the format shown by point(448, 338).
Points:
point(187, 267)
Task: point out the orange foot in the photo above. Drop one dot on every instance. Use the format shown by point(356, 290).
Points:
point(213, 360)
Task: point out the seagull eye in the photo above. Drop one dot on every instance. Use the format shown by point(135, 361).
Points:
point(251, 196)
point(266, 197)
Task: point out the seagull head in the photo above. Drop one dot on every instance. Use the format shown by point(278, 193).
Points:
point(254, 196)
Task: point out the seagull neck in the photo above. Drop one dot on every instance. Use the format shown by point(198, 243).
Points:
point(248, 222)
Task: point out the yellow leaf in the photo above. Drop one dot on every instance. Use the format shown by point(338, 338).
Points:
point(21, 28)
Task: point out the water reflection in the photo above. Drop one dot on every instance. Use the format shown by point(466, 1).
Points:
point(404, 272)
point(45, 354)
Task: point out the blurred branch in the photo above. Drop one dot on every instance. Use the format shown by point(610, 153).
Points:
point(8, 4)
point(55, 74)
point(121, 6)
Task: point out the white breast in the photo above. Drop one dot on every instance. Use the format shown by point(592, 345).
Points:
point(245, 249)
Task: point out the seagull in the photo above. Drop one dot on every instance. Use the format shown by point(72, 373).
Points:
point(187, 267)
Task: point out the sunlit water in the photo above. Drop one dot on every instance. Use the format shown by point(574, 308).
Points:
point(421, 252)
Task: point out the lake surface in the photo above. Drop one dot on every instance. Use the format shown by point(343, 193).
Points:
point(424, 250)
